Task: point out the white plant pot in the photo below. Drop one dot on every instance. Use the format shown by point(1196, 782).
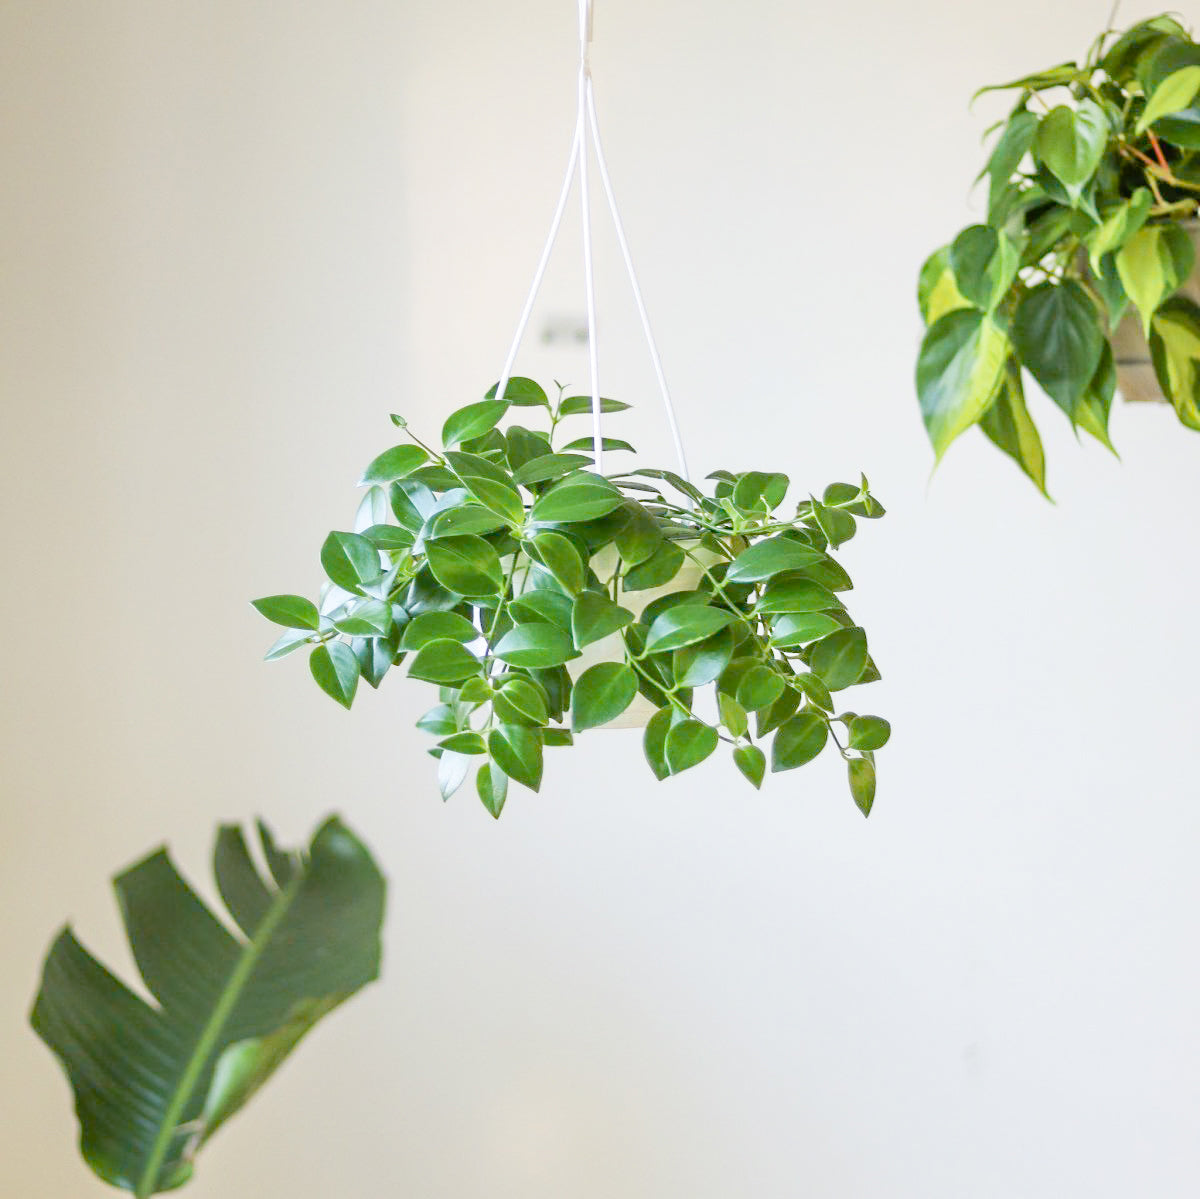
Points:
point(1136, 379)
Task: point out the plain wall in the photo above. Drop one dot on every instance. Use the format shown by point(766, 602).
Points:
point(233, 238)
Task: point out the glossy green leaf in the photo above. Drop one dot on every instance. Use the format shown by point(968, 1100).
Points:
point(700, 664)
point(335, 669)
point(1011, 147)
point(610, 445)
point(465, 565)
point(594, 616)
point(733, 715)
point(517, 750)
point(1152, 265)
point(795, 595)
point(937, 292)
point(654, 742)
point(444, 660)
point(472, 421)
point(798, 741)
point(799, 628)
point(475, 690)
point(765, 559)
point(759, 688)
point(769, 719)
point(637, 538)
point(862, 783)
point(522, 392)
point(1057, 333)
point(814, 690)
point(1064, 73)
point(291, 611)
point(655, 571)
point(1175, 348)
point(153, 1082)
point(470, 743)
point(437, 626)
point(1071, 142)
point(869, 732)
point(959, 371)
point(1175, 92)
point(840, 658)
point(534, 645)
point(1091, 413)
point(601, 694)
point(350, 560)
point(984, 263)
point(560, 557)
point(752, 763)
point(396, 463)
point(1008, 425)
point(452, 771)
point(577, 498)
point(542, 606)
point(1118, 227)
point(439, 721)
point(580, 405)
point(520, 701)
point(688, 743)
point(492, 785)
point(501, 499)
point(685, 624)
point(368, 618)
point(1181, 128)
point(291, 641)
point(550, 466)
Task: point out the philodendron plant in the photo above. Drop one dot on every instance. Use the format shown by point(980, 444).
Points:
point(1091, 181)
point(501, 565)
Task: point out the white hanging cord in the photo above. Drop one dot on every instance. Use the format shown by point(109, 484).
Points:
point(540, 273)
point(633, 280)
point(589, 282)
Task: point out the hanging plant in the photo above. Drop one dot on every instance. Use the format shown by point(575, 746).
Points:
point(1082, 275)
point(508, 573)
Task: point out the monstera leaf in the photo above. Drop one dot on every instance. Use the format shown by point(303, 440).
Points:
point(152, 1082)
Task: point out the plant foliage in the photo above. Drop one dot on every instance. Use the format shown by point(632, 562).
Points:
point(490, 566)
point(1088, 180)
point(153, 1082)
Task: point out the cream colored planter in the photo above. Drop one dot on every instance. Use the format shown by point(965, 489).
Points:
point(1136, 379)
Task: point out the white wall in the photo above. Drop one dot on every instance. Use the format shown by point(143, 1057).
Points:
point(234, 237)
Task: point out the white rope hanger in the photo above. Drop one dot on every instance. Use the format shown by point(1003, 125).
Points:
point(587, 130)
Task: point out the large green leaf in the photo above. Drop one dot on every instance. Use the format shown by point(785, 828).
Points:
point(153, 1081)
point(959, 371)
point(1070, 142)
point(937, 292)
point(601, 694)
point(578, 497)
point(1175, 347)
point(1057, 333)
point(1009, 426)
point(984, 263)
point(466, 564)
point(1152, 264)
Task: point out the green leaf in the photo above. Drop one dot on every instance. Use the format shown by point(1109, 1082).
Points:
point(799, 628)
point(984, 263)
point(465, 565)
point(798, 740)
point(814, 690)
point(1071, 143)
point(335, 669)
point(462, 519)
point(1008, 425)
point(469, 743)
point(499, 498)
point(292, 640)
point(795, 595)
point(656, 571)
point(1175, 92)
point(452, 771)
point(1182, 128)
point(492, 784)
point(937, 292)
point(1152, 265)
point(688, 743)
point(594, 616)
point(152, 1082)
point(654, 742)
point(522, 392)
point(772, 717)
point(472, 421)
point(1091, 413)
point(638, 538)
point(765, 559)
point(367, 618)
point(752, 762)
point(840, 658)
point(396, 463)
point(550, 466)
point(579, 405)
point(700, 664)
point(351, 561)
point(610, 445)
point(437, 626)
point(542, 606)
point(1011, 147)
point(869, 732)
point(444, 660)
point(517, 750)
point(476, 690)
point(1057, 333)
point(534, 645)
point(1118, 227)
point(1064, 73)
point(733, 715)
point(959, 371)
point(439, 721)
point(601, 694)
point(685, 625)
point(560, 557)
point(1175, 349)
point(759, 688)
point(520, 701)
point(577, 498)
point(389, 537)
point(291, 611)
point(836, 525)
point(862, 783)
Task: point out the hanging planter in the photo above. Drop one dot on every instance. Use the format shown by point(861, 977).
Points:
point(1084, 273)
point(545, 596)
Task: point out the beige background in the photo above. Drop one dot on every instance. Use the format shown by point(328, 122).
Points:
point(233, 237)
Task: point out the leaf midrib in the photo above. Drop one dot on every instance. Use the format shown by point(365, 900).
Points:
point(236, 984)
